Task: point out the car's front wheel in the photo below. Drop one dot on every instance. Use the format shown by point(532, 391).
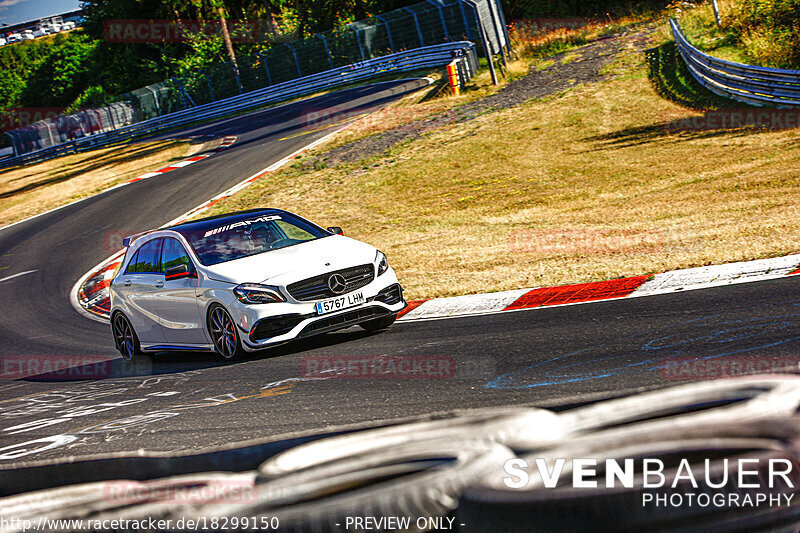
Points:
point(125, 337)
point(223, 333)
point(379, 323)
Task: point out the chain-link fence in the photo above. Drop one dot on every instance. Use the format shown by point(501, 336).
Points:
point(424, 24)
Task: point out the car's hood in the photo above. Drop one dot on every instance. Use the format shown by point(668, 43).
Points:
point(293, 263)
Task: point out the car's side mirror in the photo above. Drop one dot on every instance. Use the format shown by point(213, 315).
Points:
point(179, 272)
point(336, 230)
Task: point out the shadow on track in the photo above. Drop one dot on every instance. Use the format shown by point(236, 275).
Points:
point(173, 362)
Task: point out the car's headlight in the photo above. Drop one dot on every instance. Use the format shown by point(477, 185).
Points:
point(383, 264)
point(255, 293)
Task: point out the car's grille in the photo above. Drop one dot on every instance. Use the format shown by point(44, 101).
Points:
point(316, 288)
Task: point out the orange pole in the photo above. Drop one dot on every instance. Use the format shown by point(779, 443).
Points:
point(452, 76)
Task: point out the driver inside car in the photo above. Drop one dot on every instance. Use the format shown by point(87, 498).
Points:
point(263, 237)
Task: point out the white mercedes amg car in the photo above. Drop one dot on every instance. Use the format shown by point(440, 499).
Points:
point(244, 281)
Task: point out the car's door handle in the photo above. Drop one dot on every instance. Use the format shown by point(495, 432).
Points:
point(127, 283)
point(159, 284)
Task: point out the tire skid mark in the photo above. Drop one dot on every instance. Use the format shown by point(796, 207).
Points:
point(110, 427)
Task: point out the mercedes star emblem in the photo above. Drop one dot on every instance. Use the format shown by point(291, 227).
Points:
point(337, 283)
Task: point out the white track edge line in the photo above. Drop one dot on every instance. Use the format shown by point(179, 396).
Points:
point(79, 200)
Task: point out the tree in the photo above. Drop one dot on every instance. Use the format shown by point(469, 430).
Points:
point(63, 75)
point(225, 35)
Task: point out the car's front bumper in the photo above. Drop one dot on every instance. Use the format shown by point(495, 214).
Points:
point(266, 325)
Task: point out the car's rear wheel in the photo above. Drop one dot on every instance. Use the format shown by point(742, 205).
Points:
point(223, 333)
point(379, 323)
point(125, 337)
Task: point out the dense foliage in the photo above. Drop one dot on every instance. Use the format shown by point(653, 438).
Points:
point(84, 68)
point(768, 30)
point(50, 72)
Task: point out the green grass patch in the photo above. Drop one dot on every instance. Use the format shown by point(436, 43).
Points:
point(672, 80)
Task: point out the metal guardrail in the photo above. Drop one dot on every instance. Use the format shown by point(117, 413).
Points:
point(67, 128)
point(419, 25)
point(758, 86)
point(425, 57)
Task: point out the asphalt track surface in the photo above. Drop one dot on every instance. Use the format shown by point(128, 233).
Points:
point(174, 402)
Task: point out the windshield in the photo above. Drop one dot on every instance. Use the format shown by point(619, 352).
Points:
point(234, 238)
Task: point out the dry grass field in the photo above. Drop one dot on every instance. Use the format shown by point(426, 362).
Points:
point(30, 190)
point(595, 182)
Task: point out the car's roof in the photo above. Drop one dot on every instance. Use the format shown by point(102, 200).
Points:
point(203, 224)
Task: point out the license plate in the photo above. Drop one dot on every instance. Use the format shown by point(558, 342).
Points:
point(342, 302)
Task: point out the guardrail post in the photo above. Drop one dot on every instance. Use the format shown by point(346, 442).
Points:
point(155, 99)
point(416, 23)
point(388, 31)
point(13, 143)
point(184, 95)
point(464, 17)
point(136, 116)
point(358, 38)
point(266, 67)
point(473, 57)
point(110, 115)
point(441, 16)
point(505, 30)
point(327, 50)
point(296, 61)
point(236, 75)
point(210, 86)
point(49, 133)
point(484, 40)
point(497, 32)
point(717, 16)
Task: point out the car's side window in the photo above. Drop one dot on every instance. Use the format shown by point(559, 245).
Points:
point(132, 263)
point(149, 257)
point(173, 254)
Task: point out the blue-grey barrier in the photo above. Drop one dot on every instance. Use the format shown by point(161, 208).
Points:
point(758, 86)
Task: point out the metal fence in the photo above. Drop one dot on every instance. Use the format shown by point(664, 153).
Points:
point(417, 27)
point(427, 57)
point(757, 86)
point(66, 128)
